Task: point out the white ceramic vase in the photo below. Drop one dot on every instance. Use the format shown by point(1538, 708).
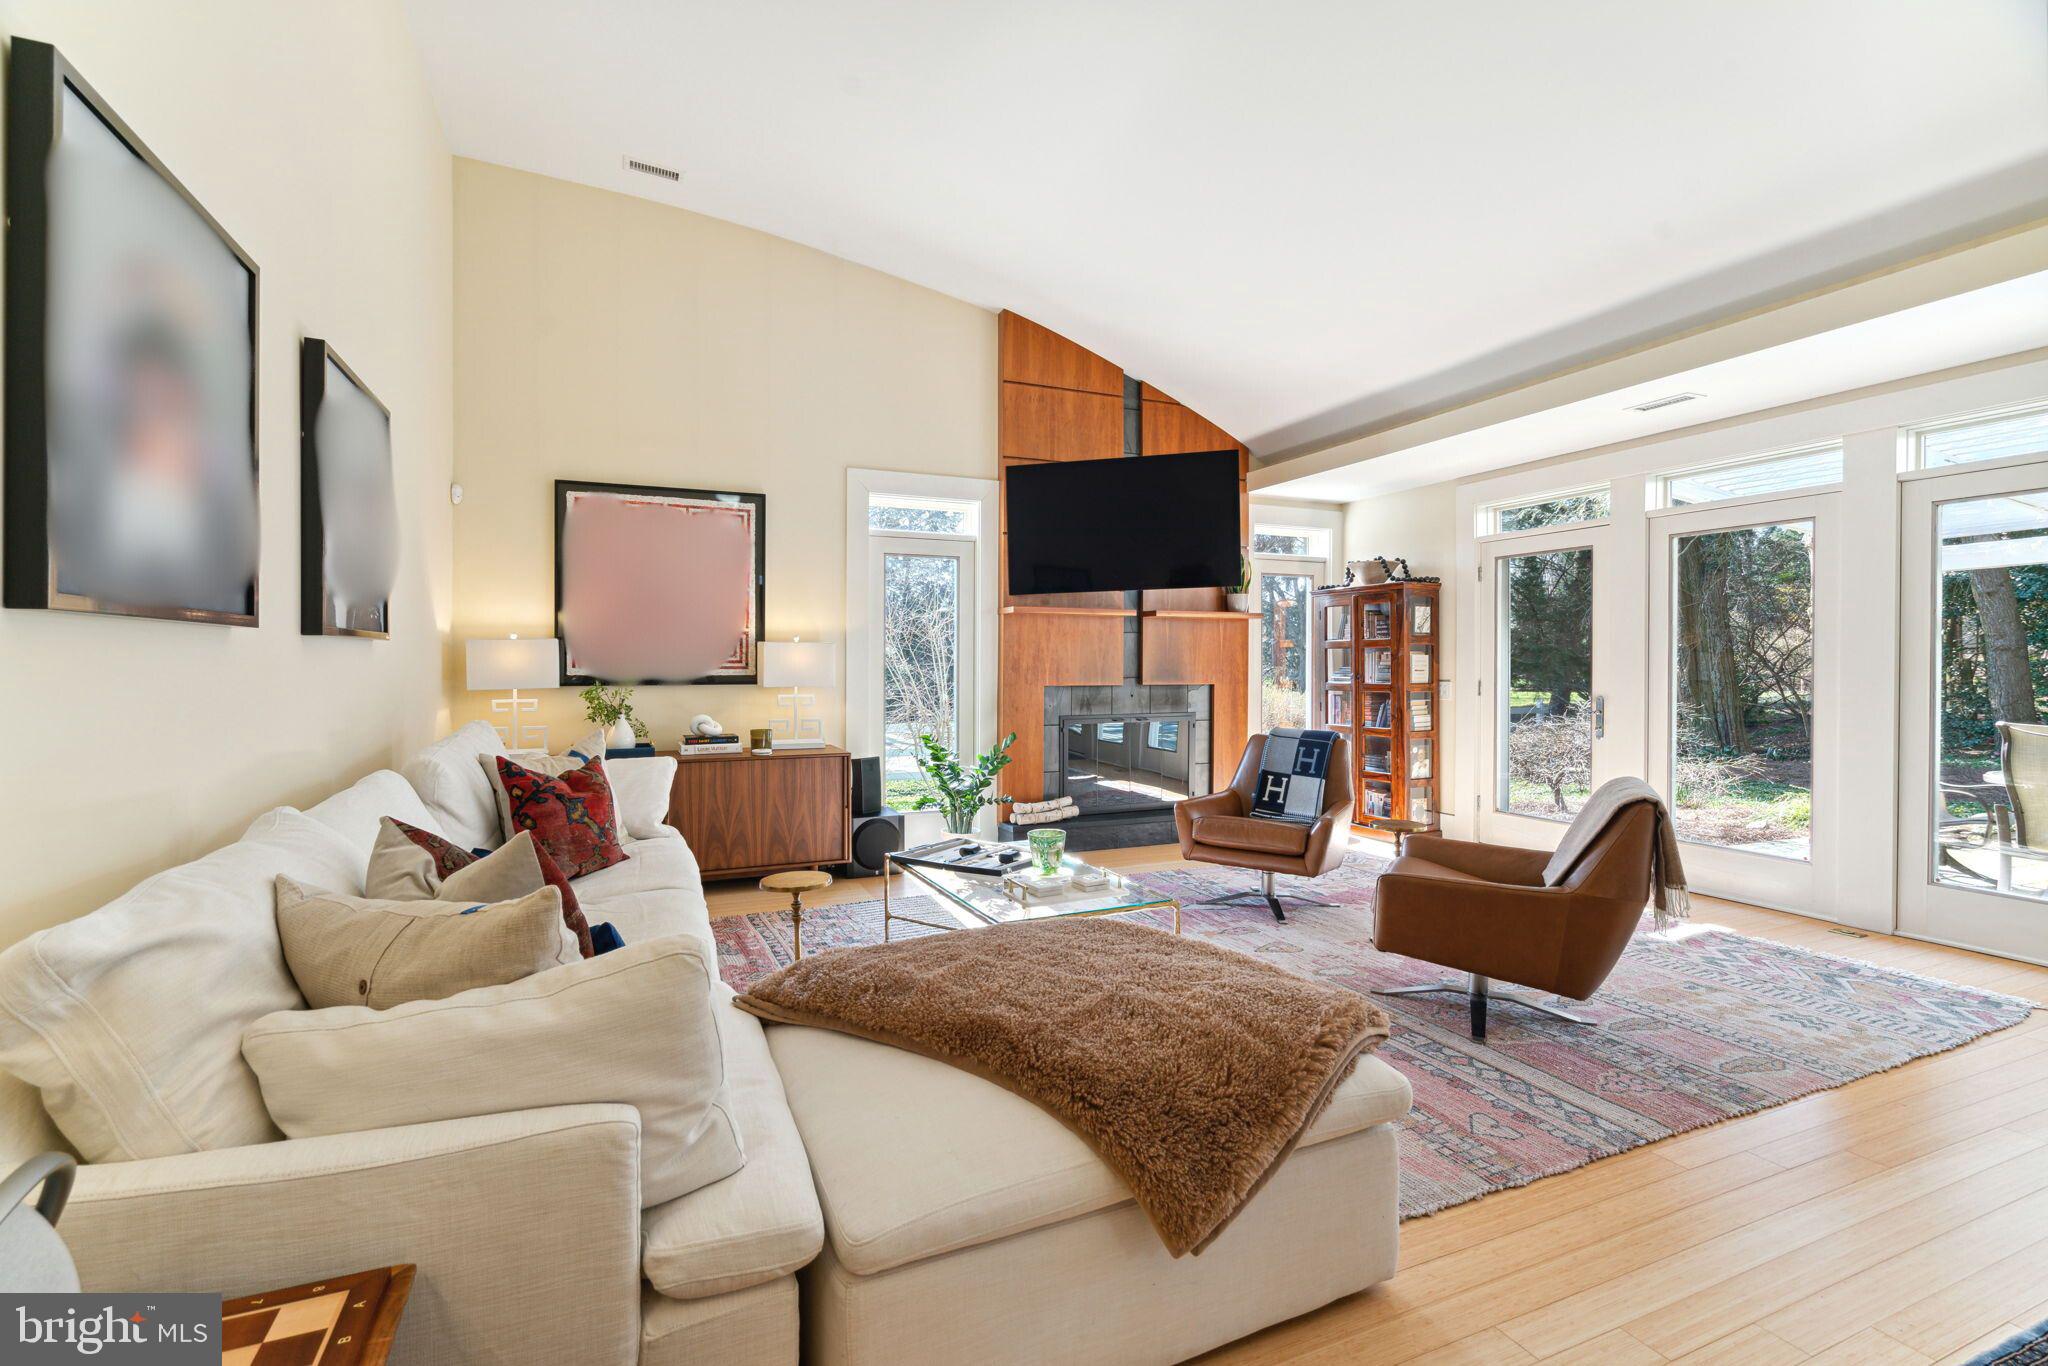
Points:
point(1238, 602)
point(622, 736)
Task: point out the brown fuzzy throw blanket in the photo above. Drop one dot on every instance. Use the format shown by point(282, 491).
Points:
point(1191, 1070)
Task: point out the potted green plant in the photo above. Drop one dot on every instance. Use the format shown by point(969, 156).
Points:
point(612, 708)
point(960, 790)
point(1239, 596)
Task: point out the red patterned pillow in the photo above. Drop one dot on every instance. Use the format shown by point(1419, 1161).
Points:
point(450, 859)
point(570, 814)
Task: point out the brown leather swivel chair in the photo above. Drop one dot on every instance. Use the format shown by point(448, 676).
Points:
point(1484, 909)
point(1220, 828)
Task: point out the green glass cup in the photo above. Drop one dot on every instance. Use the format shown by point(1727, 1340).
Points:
point(1048, 847)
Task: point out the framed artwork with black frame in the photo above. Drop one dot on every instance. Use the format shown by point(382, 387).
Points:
point(131, 370)
point(348, 505)
point(659, 585)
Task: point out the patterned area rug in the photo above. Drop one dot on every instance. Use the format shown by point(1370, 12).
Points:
point(1697, 1028)
point(2029, 1348)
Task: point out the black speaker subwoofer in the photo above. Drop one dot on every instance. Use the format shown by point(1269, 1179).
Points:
point(867, 787)
point(875, 838)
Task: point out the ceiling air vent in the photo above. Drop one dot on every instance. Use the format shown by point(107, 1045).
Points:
point(1668, 401)
point(649, 168)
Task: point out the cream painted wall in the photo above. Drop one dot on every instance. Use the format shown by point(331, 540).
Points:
point(604, 337)
point(1420, 525)
point(308, 132)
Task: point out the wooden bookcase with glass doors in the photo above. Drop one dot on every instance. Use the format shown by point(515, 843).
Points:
point(1376, 646)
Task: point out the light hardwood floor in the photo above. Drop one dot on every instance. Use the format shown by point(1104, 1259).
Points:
point(1899, 1219)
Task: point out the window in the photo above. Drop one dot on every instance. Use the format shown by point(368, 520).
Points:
point(921, 571)
point(1778, 473)
point(1552, 509)
point(1992, 436)
point(1309, 541)
point(1292, 550)
point(918, 593)
point(938, 516)
point(1163, 735)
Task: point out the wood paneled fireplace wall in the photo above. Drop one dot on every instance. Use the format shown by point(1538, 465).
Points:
point(1060, 401)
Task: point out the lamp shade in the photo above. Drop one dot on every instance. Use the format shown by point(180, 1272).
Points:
point(498, 663)
point(798, 664)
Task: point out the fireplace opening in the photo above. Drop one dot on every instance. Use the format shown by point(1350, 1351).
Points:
point(1133, 762)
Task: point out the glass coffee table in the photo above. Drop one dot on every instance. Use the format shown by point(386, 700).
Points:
point(973, 900)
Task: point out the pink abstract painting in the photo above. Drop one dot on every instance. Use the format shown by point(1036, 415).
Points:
point(659, 587)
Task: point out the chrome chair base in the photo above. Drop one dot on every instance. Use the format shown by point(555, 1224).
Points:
point(1481, 991)
point(1265, 895)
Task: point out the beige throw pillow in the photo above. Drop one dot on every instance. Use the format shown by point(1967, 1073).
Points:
point(409, 864)
point(349, 950)
point(637, 1026)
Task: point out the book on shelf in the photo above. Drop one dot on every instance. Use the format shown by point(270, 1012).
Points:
point(700, 741)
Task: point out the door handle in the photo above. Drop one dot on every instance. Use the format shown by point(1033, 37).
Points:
point(1599, 717)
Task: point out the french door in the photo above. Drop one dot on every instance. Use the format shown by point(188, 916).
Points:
point(921, 659)
point(1544, 715)
point(1973, 754)
point(1745, 696)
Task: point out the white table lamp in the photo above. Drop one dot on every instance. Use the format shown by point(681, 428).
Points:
point(510, 664)
point(796, 665)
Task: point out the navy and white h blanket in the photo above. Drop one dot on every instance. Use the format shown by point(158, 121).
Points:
point(1291, 773)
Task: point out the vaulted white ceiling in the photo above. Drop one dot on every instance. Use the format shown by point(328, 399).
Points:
point(1302, 218)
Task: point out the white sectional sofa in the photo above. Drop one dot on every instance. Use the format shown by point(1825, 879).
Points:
point(964, 1224)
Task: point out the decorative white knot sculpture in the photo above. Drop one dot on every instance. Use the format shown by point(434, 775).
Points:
point(701, 724)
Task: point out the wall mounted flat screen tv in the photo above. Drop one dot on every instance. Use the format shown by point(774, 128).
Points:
point(1090, 526)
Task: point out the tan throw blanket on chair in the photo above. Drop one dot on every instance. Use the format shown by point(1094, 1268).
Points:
point(1667, 873)
point(1191, 1070)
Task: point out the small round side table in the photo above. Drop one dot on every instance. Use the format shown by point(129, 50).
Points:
point(796, 884)
point(1400, 830)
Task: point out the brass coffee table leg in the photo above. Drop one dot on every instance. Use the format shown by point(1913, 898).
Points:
point(796, 882)
point(888, 866)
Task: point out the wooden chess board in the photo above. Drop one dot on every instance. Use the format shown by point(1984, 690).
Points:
point(344, 1321)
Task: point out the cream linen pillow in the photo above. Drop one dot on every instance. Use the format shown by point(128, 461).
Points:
point(349, 950)
point(453, 788)
point(637, 1026)
point(640, 793)
point(129, 1020)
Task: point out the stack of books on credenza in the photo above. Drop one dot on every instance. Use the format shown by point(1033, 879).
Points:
point(711, 744)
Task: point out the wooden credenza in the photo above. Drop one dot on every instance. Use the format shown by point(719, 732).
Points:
point(746, 814)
